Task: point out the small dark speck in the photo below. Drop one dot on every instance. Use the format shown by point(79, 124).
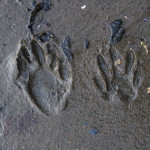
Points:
point(85, 123)
point(145, 20)
point(53, 94)
point(86, 44)
point(4, 44)
point(48, 24)
point(29, 9)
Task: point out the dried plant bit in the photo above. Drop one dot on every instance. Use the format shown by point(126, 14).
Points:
point(129, 61)
point(143, 43)
point(118, 62)
point(148, 90)
point(38, 52)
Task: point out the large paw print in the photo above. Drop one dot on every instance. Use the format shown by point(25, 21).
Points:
point(119, 85)
point(44, 72)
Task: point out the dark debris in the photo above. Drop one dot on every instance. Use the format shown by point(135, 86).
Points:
point(116, 31)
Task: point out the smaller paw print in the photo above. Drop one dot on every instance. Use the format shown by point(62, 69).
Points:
point(118, 85)
point(44, 73)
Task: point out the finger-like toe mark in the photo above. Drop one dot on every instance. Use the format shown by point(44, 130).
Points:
point(104, 70)
point(137, 76)
point(38, 52)
point(63, 71)
point(22, 67)
point(129, 61)
point(99, 84)
point(25, 53)
point(67, 48)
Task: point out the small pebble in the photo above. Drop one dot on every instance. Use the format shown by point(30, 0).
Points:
point(93, 131)
point(85, 123)
point(86, 44)
point(145, 20)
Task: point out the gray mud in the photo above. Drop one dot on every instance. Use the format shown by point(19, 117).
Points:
point(119, 124)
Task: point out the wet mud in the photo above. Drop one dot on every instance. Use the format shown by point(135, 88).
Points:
point(83, 71)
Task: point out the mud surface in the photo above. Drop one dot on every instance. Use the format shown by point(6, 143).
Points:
point(60, 88)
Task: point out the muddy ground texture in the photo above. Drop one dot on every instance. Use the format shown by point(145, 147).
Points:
point(95, 107)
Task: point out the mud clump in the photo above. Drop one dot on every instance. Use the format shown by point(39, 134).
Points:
point(116, 31)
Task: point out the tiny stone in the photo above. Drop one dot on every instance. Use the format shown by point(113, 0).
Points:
point(85, 123)
point(86, 44)
point(93, 131)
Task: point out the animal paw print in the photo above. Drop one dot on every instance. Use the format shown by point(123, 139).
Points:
point(119, 85)
point(45, 73)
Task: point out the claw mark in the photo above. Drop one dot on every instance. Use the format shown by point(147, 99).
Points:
point(38, 52)
point(52, 51)
point(66, 48)
point(25, 53)
point(22, 67)
point(99, 84)
point(137, 76)
point(104, 69)
point(129, 62)
point(113, 55)
point(63, 71)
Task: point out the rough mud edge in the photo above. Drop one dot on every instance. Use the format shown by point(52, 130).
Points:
point(44, 5)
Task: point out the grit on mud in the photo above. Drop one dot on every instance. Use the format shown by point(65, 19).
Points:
point(74, 75)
